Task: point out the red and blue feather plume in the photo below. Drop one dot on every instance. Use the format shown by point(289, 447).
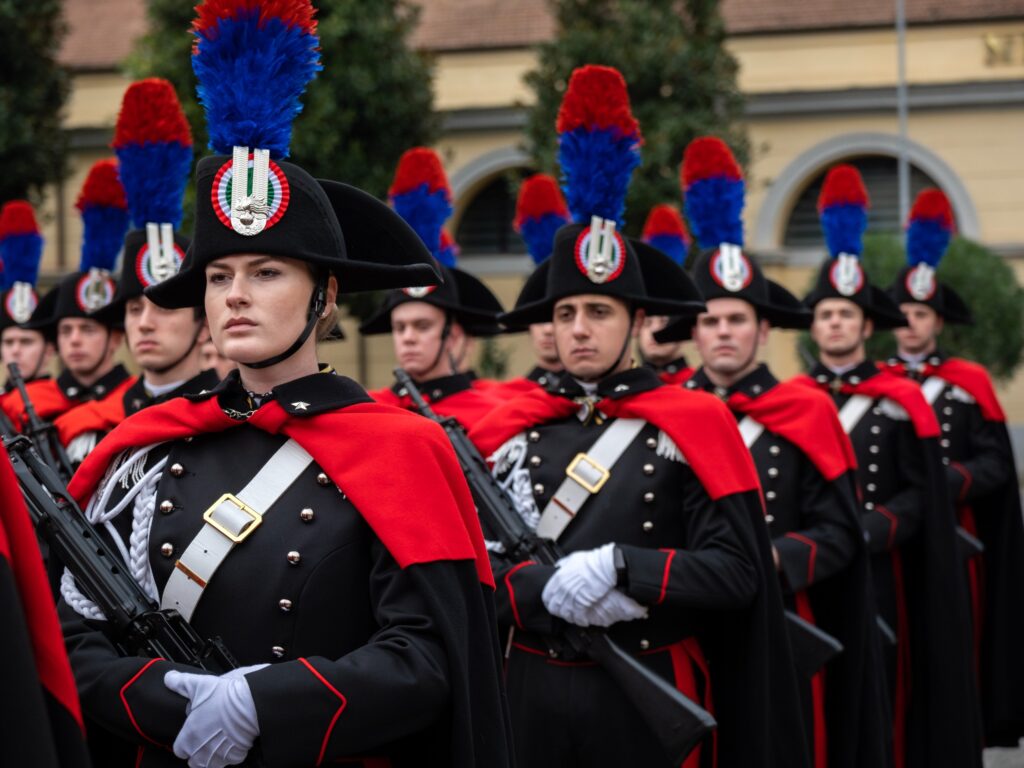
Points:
point(540, 212)
point(713, 192)
point(929, 229)
point(843, 209)
point(153, 143)
point(104, 208)
point(449, 250)
point(420, 194)
point(666, 231)
point(21, 245)
point(598, 144)
point(253, 59)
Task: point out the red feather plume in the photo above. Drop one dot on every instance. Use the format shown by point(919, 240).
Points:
point(596, 98)
point(151, 112)
point(102, 187)
point(419, 165)
point(843, 186)
point(18, 218)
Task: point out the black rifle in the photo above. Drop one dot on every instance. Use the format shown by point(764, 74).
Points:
point(42, 434)
point(678, 723)
point(812, 647)
point(136, 624)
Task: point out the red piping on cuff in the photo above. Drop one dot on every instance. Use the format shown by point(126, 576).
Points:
point(893, 523)
point(967, 479)
point(511, 592)
point(127, 707)
point(814, 553)
point(664, 578)
point(334, 720)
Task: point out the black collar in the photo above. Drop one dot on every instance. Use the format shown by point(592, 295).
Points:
point(938, 357)
point(136, 397)
point(753, 385)
point(674, 366)
point(306, 396)
point(857, 374)
point(618, 385)
point(441, 387)
point(543, 376)
point(75, 390)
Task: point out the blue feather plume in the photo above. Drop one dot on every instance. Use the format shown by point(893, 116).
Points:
point(104, 231)
point(674, 247)
point(251, 73)
point(597, 166)
point(426, 212)
point(714, 208)
point(539, 235)
point(927, 242)
point(21, 255)
point(844, 227)
point(154, 177)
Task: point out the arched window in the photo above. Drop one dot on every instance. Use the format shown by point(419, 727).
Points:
point(880, 178)
point(485, 228)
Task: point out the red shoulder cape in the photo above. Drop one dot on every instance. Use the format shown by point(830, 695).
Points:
point(699, 424)
point(440, 524)
point(904, 392)
point(808, 419)
point(19, 547)
point(970, 377)
point(47, 398)
point(466, 407)
point(94, 416)
point(680, 377)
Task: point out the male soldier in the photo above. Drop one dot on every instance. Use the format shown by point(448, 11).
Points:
point(540, 212)
point(804, 461)
point(978, 458)
point(85, 346)
point(151, 132)
point(907, 513)
point(666, 231)
point(659, 510)
point(430, 326)
point(21, 248)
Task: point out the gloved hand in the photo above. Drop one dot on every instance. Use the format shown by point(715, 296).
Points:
point(221, 725)
point(614, 607)
point(580, 580)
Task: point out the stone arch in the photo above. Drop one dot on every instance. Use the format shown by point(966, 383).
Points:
point(788, 185)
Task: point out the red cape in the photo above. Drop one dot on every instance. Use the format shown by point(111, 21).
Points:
point(699, 424)
point(19, 547)
point(381, 482)
point(95, 415)
point(970, 377)
point(808, 419)
point(46, 396)
point(680, 377)
point(466, 407)
point(905, 393)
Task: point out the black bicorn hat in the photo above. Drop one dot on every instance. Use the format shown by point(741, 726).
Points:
point(728, 273)
point(929, 231)
point(599, 260)
point(319, 222)
point(842, 207)
point(464, 297)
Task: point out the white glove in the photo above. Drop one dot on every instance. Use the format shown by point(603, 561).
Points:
point(614, 607)
point(580, 580)
point(221, 725)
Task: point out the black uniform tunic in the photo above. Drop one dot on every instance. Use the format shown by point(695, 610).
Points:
point(815, 528)
point(359, 648)
point(687, 557)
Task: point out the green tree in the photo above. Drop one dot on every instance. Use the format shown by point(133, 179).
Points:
point(681, 80)
point(372, 101)
point(984, 280)
point(33, 90)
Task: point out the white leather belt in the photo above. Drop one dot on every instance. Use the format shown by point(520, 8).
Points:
point(229, 522)
point(853, 411)
point(586, 475)
point(932, 388)
point(750, 430)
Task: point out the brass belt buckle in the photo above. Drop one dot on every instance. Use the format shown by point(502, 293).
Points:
point(255, 518)
point(591, 485)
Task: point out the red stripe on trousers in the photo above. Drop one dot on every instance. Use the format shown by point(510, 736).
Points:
point(686, 655)
point(976, 581)
point(803, 610)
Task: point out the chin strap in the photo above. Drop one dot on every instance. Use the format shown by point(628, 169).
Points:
point(195, 340)
point(445, 333)
point(622, 353)
point(317, 304)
